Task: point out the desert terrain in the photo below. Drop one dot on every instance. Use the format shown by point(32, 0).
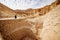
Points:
point(31, 24)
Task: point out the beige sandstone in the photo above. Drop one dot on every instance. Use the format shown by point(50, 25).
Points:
point(32, 27)
point(51, 25)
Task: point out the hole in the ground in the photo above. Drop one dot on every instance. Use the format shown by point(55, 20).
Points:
point(15, 16)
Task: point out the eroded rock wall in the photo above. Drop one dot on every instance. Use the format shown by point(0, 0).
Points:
point(51, 25)
point(31, 27)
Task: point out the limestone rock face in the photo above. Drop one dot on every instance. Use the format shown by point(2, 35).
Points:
point(6, 12)
point(34, 26)
point(51, 25)
point(39, 11)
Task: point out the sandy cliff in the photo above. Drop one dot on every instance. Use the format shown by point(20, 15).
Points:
point(51, 25)
point(38, 24)
point(6, 12)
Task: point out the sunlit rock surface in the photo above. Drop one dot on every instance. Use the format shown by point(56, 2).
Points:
point(6, 12)
point(51, 25)
point(35, 24)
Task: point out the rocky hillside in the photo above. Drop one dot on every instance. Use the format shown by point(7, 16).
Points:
point(6, 12)
point(38, 25)
point(41, 11)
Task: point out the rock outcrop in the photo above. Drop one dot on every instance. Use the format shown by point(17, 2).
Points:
point(43, 10)
point(51, 25)
point(17, 30)
point(6, 12)
point(36, 24)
